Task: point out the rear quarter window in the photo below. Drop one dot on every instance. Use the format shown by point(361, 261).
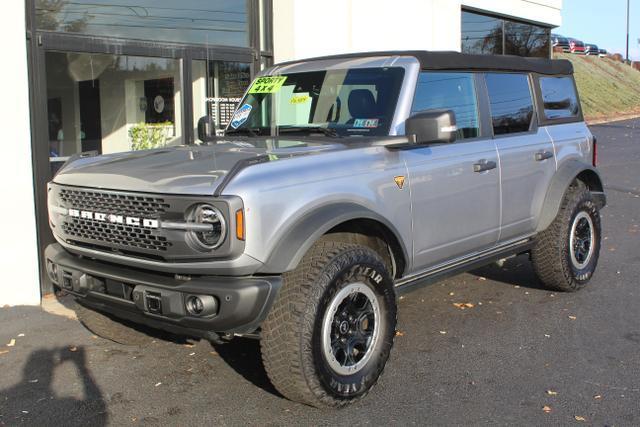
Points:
point(559, 98)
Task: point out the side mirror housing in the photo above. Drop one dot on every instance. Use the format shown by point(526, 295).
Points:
point(206, 129)
point(432, 126)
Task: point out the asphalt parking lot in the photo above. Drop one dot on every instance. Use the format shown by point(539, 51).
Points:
point(518, 350)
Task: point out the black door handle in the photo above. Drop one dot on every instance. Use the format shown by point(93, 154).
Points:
point(484, 165)
point(543, 155)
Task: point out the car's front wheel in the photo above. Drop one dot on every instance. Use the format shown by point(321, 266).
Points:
point(566, 254)
point(330, 331)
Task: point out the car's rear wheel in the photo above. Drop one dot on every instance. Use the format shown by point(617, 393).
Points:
point(566, 254)
point(330, 331)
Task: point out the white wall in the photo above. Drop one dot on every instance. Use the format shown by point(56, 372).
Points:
point(305, 28)
point(18, 246)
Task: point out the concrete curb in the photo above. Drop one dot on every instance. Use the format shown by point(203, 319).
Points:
point(618, 118)
point(51, 305)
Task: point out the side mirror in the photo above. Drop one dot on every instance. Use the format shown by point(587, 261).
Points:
point(206, 129)
point(432, 126)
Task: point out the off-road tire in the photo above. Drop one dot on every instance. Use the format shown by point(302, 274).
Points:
point(551, 254)
point(291, 335)
point(111, 329)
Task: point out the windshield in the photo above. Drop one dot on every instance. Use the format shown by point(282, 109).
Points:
point(346, 102)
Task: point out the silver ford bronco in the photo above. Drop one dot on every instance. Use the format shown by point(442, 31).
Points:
point(340, 182)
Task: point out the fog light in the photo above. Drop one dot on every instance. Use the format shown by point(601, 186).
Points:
point(195, 305)
point(201, 305)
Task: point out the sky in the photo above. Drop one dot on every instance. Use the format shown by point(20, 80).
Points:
point(602, 22)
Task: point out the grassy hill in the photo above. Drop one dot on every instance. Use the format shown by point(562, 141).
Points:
point(608, 89)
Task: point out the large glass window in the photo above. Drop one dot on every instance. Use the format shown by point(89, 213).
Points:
point(212, 22)
point(510, 102)
point(111, 103)
point(342, 102)
point(450, 91)
point(218, 87)
point(481, 34)
point(559, 97)
point(485, 34)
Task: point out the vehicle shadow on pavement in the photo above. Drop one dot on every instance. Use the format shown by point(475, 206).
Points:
point(36, 399)
point(243, 356)
point(515, 271)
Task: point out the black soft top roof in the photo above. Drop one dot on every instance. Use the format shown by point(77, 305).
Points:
point(447, 60)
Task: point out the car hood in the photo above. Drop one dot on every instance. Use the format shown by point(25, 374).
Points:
point(192, 170)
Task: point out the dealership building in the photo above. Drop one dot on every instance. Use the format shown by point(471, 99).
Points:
point(93, 75)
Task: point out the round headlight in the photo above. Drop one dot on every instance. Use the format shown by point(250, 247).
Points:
point(214, 227)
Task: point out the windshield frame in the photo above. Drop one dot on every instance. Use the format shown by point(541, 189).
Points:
point(402, 108)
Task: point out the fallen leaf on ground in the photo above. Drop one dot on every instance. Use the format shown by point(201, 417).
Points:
point(579, 418)
point(552, 393)
point(12, 342)
point(443, 332)
point(452, 294)
point(572, 317)
point(463, 305)
point(158, 384)
point(482, 278)
point(547, 335)
point(73, 348)
point(20, 335)
point(33, 381)
point(597, 397)
point(399, 333)
point(546, 409)
point(191, 354)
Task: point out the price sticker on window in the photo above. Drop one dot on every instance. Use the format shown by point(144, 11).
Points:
point(270, 84)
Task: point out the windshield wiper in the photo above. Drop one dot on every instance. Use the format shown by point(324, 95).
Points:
point(248, 131)
point(311, 129)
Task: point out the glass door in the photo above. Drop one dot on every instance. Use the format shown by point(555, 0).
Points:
point(217, 88)
point(111, 103)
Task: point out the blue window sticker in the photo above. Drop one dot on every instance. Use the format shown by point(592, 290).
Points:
point(240, 116)
point(365, 123)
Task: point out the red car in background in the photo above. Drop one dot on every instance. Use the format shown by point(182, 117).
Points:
point(576, 46)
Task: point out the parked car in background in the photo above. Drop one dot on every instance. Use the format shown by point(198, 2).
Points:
point(602, 53)
point(576, 46)
point(560, 41)
point(591, 49)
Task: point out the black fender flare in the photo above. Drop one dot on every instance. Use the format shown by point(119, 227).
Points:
point(562, 179)
point(299, 237)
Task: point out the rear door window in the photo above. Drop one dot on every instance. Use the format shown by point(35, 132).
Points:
point(450, 91)
point(510, 101)
point(559, 98)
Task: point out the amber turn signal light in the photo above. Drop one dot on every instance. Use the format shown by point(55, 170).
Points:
point(240, 224)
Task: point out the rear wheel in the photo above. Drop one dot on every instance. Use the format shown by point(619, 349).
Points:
point(329, 334)
point(566, 254)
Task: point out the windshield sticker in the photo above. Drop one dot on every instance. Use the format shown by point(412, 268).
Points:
point(270, 84)
point(299, 99)
point(365, 123)
point(240, 116)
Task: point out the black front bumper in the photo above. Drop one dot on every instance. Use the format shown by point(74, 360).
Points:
point(157, 300)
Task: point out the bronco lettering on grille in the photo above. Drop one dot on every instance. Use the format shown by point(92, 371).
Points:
point(114, 219)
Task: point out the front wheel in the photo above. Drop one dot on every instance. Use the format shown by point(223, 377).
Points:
point(566, 254)
point(330, 331)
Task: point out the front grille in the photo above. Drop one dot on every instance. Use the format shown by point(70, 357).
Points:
point(113, 234)
point(117, 234)
point(115, 203)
